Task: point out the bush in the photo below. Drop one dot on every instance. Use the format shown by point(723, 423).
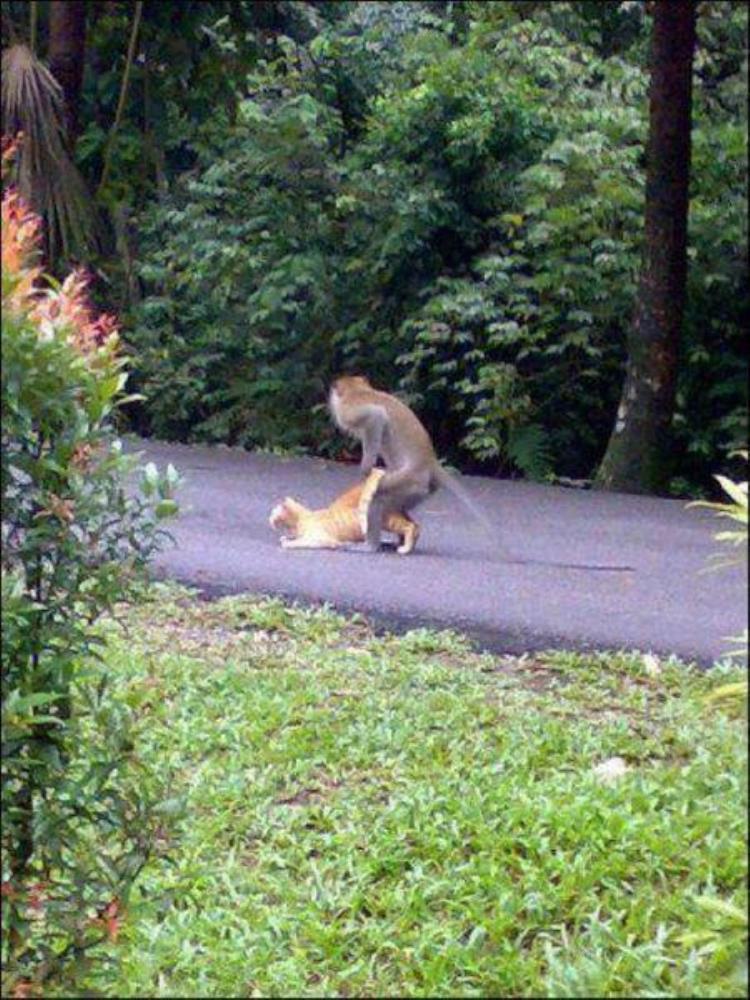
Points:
point(458, 214)
point(733, 509)
point(78, 817)
point(727, 924)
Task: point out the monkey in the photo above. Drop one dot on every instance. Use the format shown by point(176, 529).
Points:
point(388, 429)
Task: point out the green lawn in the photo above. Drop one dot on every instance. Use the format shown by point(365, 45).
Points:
point(384, 816)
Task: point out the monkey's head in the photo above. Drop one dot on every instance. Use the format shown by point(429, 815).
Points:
point(285, 517)
point(345, 384)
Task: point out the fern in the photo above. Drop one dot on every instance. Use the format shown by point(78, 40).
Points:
point(528, 447)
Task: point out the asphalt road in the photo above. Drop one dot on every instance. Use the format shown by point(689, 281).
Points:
point(579, 570)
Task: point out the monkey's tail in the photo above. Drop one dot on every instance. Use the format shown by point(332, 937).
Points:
point(452, 483)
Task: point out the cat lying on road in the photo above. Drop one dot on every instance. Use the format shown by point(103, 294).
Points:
point(342, 522)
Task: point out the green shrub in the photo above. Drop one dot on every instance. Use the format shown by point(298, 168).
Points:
point(78, 809)
point(733, 509)
point(727, 924)
point(458, 214)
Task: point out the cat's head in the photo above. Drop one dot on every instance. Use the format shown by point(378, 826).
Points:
point(285, 517)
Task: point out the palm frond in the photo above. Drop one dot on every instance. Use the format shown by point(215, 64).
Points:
point(47, 178)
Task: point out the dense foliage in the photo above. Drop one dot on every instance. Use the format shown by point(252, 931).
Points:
point(78, 816)
point(446, 196)
point(459, 216)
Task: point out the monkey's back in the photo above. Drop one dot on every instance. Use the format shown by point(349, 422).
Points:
point(411, 431)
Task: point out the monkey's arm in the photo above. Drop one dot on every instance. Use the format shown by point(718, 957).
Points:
point(372, 432)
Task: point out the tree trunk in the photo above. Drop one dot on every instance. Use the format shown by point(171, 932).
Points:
point(67, 47)
point(637, 456)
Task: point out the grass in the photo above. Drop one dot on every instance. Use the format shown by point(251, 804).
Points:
point(400, 816)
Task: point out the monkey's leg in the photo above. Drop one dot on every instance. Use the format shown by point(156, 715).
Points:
point(404, 488)
point(396, 492)
point(376, 515)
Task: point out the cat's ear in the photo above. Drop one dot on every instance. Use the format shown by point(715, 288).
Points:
point(291, 504)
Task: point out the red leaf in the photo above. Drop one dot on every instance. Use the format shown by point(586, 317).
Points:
point(109, 918)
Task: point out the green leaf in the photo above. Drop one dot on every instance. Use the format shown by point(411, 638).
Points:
point(166, 508)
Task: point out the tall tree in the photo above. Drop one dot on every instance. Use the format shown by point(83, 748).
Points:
point(637, 456)
point(67, 47)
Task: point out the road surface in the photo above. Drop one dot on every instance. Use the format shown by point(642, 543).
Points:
point(582, 570)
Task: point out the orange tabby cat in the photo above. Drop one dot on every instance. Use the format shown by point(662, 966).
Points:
point(342, 522)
